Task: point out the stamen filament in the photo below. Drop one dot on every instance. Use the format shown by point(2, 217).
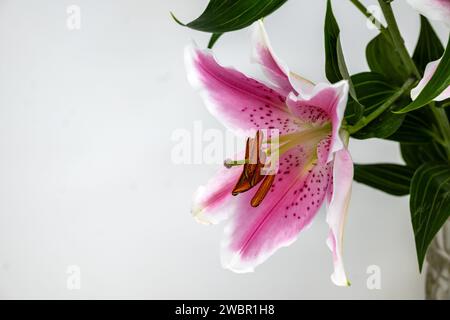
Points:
point(294, 135)
point(291, 140)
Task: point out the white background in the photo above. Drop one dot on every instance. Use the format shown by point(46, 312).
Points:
point(86, 177)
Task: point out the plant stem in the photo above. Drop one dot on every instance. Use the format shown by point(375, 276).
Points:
point(397, 39)
point(443, 126)
point(369, 15)
point(364, 121)
point(377, 23)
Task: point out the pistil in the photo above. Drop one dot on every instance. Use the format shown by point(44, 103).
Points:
point(228, 163)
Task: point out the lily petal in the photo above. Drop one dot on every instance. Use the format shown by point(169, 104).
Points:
point(240, 102)
point(263, 54)
point(298, 191)
point(211, 201)
point(326, 103)
point(275, 69)
point(433, 9)
point(337, 205)
point(428, 74)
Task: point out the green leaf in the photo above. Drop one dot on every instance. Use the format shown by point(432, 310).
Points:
point(332, 32)
point(391, 178)
point(429, 204)
point(222, 16)
point(416, 128)
point(213, 39)
point(443, 104)
point(382, 127)
point(437, 84)
point(372, 90)
point(383, 58)
point(417, 154)
point(429, 47)
point(335, 66)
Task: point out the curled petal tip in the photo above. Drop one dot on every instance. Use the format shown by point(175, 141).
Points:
point(197, 214)
point(341, 284)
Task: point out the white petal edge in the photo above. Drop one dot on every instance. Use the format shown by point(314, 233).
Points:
point(437, 10)
point(260, 37)
point(337, 210)
point(428, 74)
point(232, 261)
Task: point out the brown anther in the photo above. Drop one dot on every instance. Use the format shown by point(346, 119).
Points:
point(262, 191)
point(251, 174)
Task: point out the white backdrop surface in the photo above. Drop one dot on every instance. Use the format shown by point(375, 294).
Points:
point(86, 176)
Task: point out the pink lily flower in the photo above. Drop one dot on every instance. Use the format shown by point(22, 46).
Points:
point(438, 10)
point(428, 74)
point(267, 212)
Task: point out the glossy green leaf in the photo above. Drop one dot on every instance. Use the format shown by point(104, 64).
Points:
point(383, 58)
point(429, 47)
point(416, 154)
point(213, 39)
point(332, 32)
point(382, 127)
point(391, 178)
point(372, 90)
point(443, 104)
point(429, 204)
point(229, 15)
point(437, 84)
point(416, 128)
